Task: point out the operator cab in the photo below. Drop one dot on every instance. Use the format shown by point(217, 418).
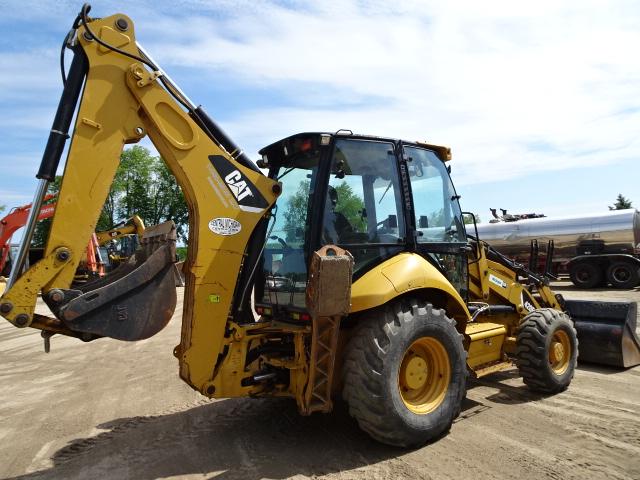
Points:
point(375, 197)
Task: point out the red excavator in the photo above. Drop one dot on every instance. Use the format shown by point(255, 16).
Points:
point(17, 218)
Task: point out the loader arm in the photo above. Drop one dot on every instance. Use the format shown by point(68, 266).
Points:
point(123, 101)
point(498, 280)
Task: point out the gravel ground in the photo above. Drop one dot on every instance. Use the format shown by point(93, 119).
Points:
point(118, 410)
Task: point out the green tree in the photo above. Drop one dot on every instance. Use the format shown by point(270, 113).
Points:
point(167, 200)
point(133, 184)
point(468, 219)
point(622, 203)
point(143, 186)
point(296, 212)
point(351, 206)
point(2, 208)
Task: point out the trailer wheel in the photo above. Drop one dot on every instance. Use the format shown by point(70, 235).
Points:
point(623, 274)
point(547, 350)
point(404, 374)
point(585, 275)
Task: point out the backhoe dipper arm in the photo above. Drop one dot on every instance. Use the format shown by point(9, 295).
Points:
point(227, 196)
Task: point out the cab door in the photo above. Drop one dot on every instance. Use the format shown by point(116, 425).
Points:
point(439, 228)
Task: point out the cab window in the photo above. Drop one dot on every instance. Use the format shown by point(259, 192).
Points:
point(437, 212)
point(363, 206)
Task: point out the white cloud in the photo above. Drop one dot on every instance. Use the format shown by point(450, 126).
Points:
point(13, 198)
point(20, 164)
point(28, 73)
point(488, 79)
point(513, 88)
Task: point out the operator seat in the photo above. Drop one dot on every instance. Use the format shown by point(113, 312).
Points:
point(336, 226)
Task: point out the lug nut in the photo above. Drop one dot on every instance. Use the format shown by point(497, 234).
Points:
point(5, 307)
point(122, 24)
point(21, 320)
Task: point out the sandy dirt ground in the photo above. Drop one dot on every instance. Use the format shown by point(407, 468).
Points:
point(118, 410)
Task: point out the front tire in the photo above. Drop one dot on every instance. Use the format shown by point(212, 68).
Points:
point(547, 350)
point(405, 373)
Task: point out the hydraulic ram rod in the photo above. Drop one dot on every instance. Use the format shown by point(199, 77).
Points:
point(52, 154)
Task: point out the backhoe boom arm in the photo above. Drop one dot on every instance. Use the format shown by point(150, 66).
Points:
point(123, 101)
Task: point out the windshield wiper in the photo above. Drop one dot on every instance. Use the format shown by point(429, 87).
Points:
point(385, 192)
point(286, 171)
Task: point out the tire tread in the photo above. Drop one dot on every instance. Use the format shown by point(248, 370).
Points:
point(364, 362)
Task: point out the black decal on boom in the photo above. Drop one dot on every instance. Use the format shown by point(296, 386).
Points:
point(238, 184)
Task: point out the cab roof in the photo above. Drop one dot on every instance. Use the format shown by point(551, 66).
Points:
point(276, 149)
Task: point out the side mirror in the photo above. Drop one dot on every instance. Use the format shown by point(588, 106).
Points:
point(423, 222)
point(392, 221)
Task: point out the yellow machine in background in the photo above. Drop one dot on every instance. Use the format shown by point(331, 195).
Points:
point(132, 226)
point(363, 275)
point(129, 234)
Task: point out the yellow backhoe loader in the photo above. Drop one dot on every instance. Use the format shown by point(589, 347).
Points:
point(364, 277)
point(129, 234)
point(132, 226)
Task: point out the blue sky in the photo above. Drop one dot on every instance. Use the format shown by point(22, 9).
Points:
point(540, 101)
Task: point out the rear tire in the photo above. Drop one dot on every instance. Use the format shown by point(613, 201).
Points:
point(405, 374)
point(623, 274)
point(586, 275)
point(547, 350)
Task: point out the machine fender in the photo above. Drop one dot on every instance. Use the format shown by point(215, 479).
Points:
point(604, 258)
point(403, 273)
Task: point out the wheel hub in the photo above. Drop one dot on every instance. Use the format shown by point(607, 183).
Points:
point(415, 373)
point(560, 352)
point(621, 275)
point(557, 351)
point(424, 375)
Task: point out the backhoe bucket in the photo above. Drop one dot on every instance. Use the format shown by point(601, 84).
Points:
point(134, 302)
point(606, 332)
point(179, 274)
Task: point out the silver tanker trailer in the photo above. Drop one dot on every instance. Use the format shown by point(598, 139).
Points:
point(593, 249)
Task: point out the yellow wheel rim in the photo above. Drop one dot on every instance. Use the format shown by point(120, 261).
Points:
point(424, 375)
point(560, 352)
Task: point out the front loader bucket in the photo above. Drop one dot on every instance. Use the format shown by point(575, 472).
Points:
point(135, 302)
point(606, 332)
